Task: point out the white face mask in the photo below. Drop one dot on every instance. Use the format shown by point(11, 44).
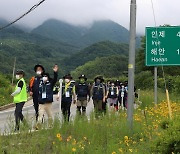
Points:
point(17, 77)
point(45, 79)
point(38, 72)
point(67, 80)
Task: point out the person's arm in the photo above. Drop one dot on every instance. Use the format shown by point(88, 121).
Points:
point(18, 90)
point(117, 91)
point(104, 94)
point(54, 80)
point(92, 90)
point(107, 93)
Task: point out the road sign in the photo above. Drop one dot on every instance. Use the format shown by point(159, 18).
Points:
point(163, 46)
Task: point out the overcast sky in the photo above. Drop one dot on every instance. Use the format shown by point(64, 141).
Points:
point(84, 12)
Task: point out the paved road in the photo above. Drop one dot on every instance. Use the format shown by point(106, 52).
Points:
point(7, 116)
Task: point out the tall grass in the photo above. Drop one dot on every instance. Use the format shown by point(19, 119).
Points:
point(105, 134)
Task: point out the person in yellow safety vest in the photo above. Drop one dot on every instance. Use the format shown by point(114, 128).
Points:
point(20, 97)
point(68, 96)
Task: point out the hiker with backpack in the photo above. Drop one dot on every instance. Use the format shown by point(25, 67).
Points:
point(34, 86)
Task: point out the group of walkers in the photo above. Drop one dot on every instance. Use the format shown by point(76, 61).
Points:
point(113, 93)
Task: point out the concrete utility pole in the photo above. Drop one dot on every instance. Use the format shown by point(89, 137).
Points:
point(131, 66)
point(14, 67)
point(155, 85)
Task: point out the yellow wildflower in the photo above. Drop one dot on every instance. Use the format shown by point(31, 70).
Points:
point(125, 137)
point(58, 135)
point(120, 150)
point(73, 149)
point(131, 150)
point(113, 152)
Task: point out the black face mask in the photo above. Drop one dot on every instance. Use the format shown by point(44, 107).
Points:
point(98, 82)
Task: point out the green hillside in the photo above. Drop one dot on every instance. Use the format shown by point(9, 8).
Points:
point(109, 67)
point(101, 49)
point(27, 54)
point(83, 36)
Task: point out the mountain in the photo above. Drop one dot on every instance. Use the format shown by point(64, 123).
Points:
point(29, 49)
point(109, 67)
point(101, 49)
point(83, 36)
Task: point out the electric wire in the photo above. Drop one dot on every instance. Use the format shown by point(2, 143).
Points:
point(30, 10)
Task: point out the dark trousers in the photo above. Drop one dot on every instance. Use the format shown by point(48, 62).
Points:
point(124, 101)
point(65, 107)
point(36, 106)
point(18, 114)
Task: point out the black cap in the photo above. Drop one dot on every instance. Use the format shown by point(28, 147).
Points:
point(38, 65)
point(100, 78)
point(47, 74)
point(83, 76)
point(67, 76)
point(20, 72)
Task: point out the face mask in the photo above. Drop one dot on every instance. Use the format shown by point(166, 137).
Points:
point(17, 77)
point(67, 80)
point(38, 72)
point(112, 84)
point(82, 80)
point(98, 82)
point(45, 79)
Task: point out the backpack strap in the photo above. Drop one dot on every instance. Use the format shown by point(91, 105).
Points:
point(31, 83)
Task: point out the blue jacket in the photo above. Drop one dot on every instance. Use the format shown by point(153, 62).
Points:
point(98, 93)
point(46, 90)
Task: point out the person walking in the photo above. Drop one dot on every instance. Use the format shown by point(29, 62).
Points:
point(123, 97)
point(98, 94)
point(83, 92)
point(112, 95)
point(45, 97)
point(20, 97)
point(68, 95)
point(34, 86)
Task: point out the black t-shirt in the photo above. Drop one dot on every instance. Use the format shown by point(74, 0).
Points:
point(20, 84)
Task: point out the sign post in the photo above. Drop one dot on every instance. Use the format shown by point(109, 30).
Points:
point(60, 94)
point(162, 49)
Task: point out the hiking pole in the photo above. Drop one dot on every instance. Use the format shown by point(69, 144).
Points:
point(60, 94)
point(122, 99)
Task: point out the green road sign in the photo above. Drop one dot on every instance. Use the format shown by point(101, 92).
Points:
point(162, 46)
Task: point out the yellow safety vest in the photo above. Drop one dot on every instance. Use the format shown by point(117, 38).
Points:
point(22, 96)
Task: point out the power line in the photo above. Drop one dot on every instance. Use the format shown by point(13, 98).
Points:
point(162, 67)
point(30, 10)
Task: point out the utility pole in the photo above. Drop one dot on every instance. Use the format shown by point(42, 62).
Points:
point(14, 70)
point(155, 85)
point(131, 65)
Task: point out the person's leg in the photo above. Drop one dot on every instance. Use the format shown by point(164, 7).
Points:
point(100, 105)
point(79, 107)
point(41, 113)
point(48, 109)
point(84, 105)
point(95, 102)
point(21, 117)
point(18, 114)
point(17, 120)
point(64, 110)
point(68, 110)
point(36, 106)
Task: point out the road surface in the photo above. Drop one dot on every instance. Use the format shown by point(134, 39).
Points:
point(7, 116)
